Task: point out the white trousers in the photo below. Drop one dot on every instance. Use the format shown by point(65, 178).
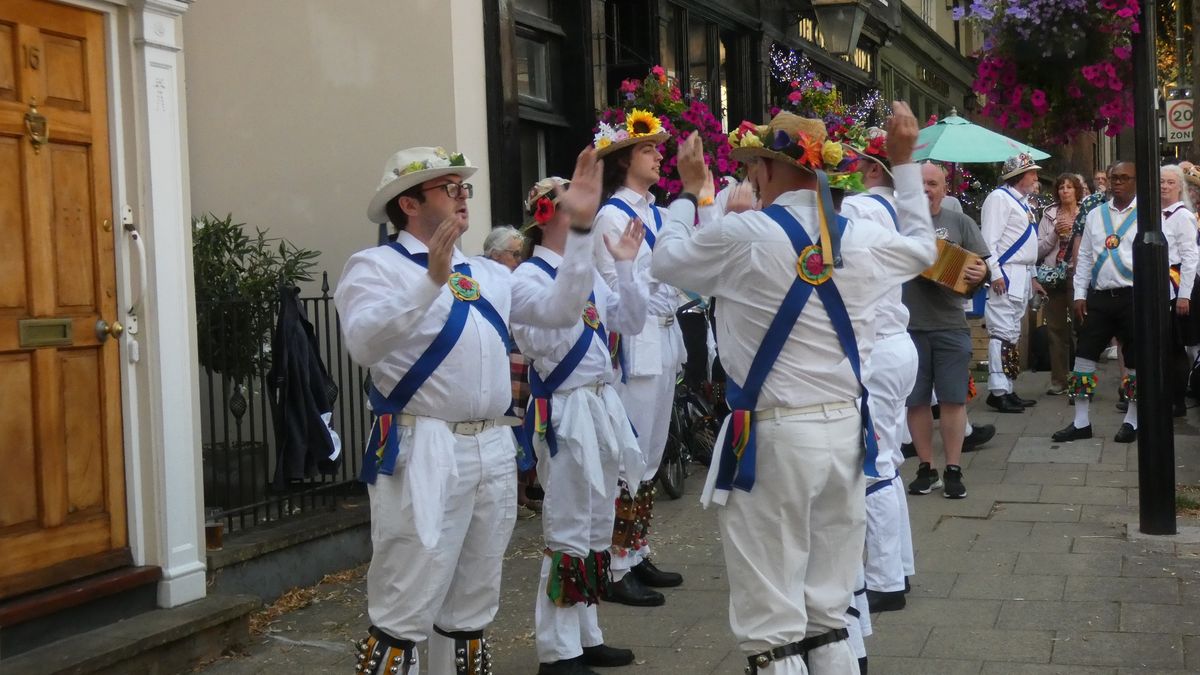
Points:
point(859, 626)
point(793, 544)
point(578, 513)
point(456, 584)
point(648, 400)
point(1003, 315)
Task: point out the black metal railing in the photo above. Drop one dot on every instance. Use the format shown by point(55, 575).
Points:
point(237, 433)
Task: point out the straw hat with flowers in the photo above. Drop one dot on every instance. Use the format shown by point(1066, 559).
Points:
point(640, 126)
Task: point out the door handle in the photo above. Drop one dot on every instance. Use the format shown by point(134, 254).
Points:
point(105, 329)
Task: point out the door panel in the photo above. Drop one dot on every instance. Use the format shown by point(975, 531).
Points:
point(65, 503)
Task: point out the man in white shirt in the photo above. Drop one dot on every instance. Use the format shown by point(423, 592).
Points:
point(1010, 231)
point(1104, 302)
point(652, 358)
point(888, 374)
point(1179, 227)
point(577, 426)
point(430, 324)
point(794, 445)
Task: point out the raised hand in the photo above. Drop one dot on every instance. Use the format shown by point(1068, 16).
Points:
point(709, 191)
point(626, 246)
point(583, 199)
point(692, 170)
point(441, 248)
point(741, 198)
point(901, 133)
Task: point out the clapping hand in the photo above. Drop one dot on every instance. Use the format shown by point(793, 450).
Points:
point(583, 199)
point(441, 248)
point(741, 198)
point(901, 133)
point(692, 170)
point(626, 246)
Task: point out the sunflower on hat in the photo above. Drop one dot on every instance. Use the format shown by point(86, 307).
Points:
point(640, 126)
point(802, 142)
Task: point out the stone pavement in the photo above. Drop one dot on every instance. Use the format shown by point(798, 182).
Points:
point(1039, 570)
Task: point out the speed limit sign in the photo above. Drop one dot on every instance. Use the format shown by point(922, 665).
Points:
point(1179, 121)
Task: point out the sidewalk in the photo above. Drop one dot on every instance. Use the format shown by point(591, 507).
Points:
point(1039, 570)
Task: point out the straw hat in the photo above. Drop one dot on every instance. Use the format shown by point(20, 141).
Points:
point(800, 142)
point(414, 166)
point(641, 126)
point(542, 201)
point(1017, 164)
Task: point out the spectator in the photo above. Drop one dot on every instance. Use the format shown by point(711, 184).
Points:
point(504, 244)
point(1056, 254)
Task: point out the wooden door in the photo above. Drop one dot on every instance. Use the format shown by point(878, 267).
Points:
point(62, 497)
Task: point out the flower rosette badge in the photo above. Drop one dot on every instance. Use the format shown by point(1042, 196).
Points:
point(463, 287)
point(658, 95)
point(591, 316)
point(1055, 67)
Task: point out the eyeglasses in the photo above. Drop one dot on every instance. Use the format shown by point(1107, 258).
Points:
point(1120, 178)
point(454, 190)
point(514, 252)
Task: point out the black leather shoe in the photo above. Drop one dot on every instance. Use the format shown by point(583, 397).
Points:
point(1126, 434)
point(980, 434)
point(1179, 409)
point(1002, 404)
point(565, 667)
point(1023, 402)
point(1070, 433)
point(630, 591)
point(603, 656)
point(1122, 406)
point(885, 601)
point(908, 450)
point(650, 575)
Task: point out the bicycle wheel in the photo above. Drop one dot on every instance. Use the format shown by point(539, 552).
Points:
point(671, 473)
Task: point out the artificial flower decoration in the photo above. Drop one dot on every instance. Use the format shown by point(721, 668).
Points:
point(440, 160)
point(801, 141)
point(544, 211)
point(642, 123)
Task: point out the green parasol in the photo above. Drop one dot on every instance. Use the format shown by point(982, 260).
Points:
point(954, 139)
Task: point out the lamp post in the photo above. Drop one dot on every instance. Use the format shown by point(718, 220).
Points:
point(1156, 441)
point(841, 22)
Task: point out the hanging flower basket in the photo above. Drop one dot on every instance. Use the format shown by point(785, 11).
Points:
point(1055, 67)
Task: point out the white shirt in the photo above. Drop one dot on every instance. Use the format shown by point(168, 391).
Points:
point(891, 315)
point(1179, 227)
point(534, 294)
point(1003, 220)
point(644, 351)
point(1091, 247)
point(748, 262)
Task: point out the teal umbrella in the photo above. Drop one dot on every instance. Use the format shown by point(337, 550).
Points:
point(953, 139)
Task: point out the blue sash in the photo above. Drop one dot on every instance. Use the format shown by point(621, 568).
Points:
point(890, 209)
point(1107, 253)
point(737, 462)
point(542, 391)
point(650, 234)
point(383, 446)
point(1029, 231)
point(883, 484)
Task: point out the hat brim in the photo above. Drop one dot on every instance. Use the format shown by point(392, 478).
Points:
point(742, 154)
point(377, 209)
point(658, 139)
point(886, 165)
point(1017, 172)
point(1190, 179)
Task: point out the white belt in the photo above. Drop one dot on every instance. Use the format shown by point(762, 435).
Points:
point(666, 321)
point(469, 428)
point(595, 387)
point(779, 413)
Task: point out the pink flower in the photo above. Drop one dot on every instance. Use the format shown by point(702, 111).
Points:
point(1115, 84)
point(1074, 92)
point(795, 97)
point(658, 71)
point(1123, 53)
point(629, 86)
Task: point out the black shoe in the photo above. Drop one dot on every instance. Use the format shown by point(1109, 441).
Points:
point(885, 601)
point(650, 575)
point(630, 591)
point(908, 450)
point(1123, 406)
point(565, 667)
point(1179, 409)
point(1071, 433)
point(980, 434)
point(936, 410)
point(1126, 434)
point(907, 585)
point(927, 480)
point(954, 488)
point(1023, 402)
point(603, 656)
point(1003, 404)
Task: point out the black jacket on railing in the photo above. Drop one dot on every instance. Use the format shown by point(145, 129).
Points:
point(301, 390)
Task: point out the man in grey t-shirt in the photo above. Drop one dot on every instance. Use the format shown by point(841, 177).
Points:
point(938, 326)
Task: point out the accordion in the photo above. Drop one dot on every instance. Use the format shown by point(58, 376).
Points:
point(947, 270)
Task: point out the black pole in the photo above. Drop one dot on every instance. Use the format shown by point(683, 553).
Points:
point(1156, 442)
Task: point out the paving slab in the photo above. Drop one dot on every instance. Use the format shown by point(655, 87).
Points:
point(1139, 617)
point(1129, 650)
point(1009, 668)
point(1068, 494)
point(1058, 615)
point(989, 644)
point(1165, 591)
point(1009, 587)
point(895, 665)
point(1051, 513)
point(996, 562)
point(941, 612)
point(897, 640)
point(1080, 564)
point(1040, 544)
point(1042, 450)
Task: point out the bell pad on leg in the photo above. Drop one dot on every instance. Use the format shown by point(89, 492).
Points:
point(1081, 385)
point(382, 654)
point(1010, 359)
point(472, 655)
point(1129, 386)
point(575, 580)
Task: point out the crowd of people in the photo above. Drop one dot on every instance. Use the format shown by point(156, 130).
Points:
point(561, 348)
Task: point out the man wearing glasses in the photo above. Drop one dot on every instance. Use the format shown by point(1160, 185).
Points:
point(1104, 302)
point(431, 325)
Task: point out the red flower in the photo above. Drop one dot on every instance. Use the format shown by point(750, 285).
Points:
point(814, 265)
point(544, 211)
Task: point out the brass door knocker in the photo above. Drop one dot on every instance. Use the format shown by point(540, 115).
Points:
point(37, 126)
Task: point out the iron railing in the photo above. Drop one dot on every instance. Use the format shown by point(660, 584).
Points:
point(238, 436)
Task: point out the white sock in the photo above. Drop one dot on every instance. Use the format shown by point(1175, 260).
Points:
point(997, 392)
point(1084, 365)
point(969, 429)
point(1082, 404)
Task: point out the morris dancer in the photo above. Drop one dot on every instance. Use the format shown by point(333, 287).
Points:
point(576, 424)
point(888, 374)
point(430, 325)
point(652, 358)
point(1179, 227)
point(1010, 231)
point(793, 530)
point(1104, 302)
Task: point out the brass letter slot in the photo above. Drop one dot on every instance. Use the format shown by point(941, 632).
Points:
point(45, 333)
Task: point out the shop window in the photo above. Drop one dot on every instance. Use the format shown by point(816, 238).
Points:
point(536, 7)
point(533, 69)
point(533, 153)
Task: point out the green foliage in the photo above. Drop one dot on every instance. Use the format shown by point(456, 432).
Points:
point(237, 280)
